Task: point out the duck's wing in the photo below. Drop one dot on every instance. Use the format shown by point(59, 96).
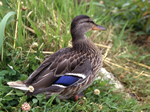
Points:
point(65, 69)
point(76, 76)
point(64, 79)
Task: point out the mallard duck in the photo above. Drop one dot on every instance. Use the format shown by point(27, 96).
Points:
point(68, 71)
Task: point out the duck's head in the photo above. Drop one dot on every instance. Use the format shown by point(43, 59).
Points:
point(82, 24)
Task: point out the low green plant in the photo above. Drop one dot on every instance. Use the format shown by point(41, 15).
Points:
point(136, 12)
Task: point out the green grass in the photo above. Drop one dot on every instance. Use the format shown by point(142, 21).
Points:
point(3, 23)
point(48, 24)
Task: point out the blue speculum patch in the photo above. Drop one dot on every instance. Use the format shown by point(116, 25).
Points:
point(66, 80)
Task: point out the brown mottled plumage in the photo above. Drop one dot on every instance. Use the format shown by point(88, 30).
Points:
point(68, 71)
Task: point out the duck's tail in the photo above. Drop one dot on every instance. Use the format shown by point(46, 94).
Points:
point(18, 85)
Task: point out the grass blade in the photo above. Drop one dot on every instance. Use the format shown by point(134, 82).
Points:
point(117, 43)
point(3, 24)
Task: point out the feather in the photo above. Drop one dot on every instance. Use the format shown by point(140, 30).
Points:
point(77, 75)
point(18, 85)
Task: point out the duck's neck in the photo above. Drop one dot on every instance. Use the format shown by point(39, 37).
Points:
point(77, 38)
point(78, 33)
point(85, 45)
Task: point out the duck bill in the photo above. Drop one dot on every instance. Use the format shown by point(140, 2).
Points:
point(97, 27)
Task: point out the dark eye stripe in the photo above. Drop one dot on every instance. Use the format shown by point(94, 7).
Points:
point(90, 21)
point(87, 22)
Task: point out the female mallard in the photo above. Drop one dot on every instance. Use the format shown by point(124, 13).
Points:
point(70, 70)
